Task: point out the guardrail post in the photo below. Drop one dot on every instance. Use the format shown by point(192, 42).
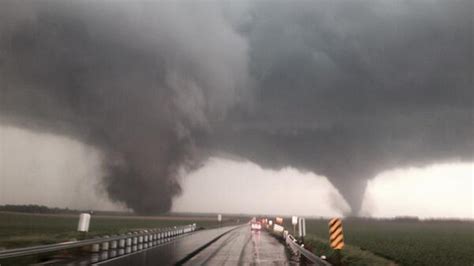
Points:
point(113, 247)
point(145, 240)
point(134, 242)
point(104, 254)
point(121, 245)
point(158, 237)
point(94, 257)
point(105, 245)
point(128, 243)
point(113, 244)
point(140, 241)
point(150, 239)
point(95, 247)
point(121, 242)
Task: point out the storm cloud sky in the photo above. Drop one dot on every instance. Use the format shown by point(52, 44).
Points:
point(342, 89)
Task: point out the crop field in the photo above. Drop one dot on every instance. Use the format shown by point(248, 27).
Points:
point(21, 230)
point(433, 242)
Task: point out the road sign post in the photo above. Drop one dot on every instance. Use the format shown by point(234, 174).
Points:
point(219, 219)
point(294, 222)
point(301, 228)
point(83, 225)
point(336, 238)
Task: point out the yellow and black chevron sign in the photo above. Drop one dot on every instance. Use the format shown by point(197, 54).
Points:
point(336, 237)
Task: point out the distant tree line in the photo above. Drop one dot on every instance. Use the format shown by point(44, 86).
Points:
point(33, 208)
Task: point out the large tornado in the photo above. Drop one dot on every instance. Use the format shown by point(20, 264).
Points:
point(342, 89)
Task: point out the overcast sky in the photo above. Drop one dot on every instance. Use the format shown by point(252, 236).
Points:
point(140, 101)
point(227, 186)
point(224, 185)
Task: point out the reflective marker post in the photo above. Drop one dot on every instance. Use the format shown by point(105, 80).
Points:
point(294, 222)
point(83, 225)
point(336, 238)
point(301, 228)
point(219, 219)
point(84, 221)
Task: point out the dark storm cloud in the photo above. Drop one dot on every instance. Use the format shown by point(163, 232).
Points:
point(344, 89)
point(134, 79)
point(352, 88)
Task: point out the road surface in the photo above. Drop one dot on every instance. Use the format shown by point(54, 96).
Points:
point(243, 247)
point(239, 246)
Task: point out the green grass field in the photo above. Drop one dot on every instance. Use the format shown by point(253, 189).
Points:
point(25, 229)
point(369, 242)
point(21, 230)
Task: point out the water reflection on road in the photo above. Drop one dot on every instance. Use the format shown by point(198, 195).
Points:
point(240, 246)
point(168, 252)
point(243, 247)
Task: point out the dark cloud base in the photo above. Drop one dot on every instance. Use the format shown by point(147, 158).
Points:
point(345, 90)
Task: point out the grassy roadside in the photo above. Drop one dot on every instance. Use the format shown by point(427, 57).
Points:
point(26, 229)
point(351, 255)
point(430, 242)
point(401, 241)
point(22, 230)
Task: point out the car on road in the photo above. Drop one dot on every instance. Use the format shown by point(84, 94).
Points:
point(255, 226)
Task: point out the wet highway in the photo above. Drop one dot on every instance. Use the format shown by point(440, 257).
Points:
point(243, 247)
point(234, 246)
point(170, 251)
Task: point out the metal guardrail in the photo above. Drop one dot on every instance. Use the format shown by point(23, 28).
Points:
point(146, 238)
point(297, 249)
